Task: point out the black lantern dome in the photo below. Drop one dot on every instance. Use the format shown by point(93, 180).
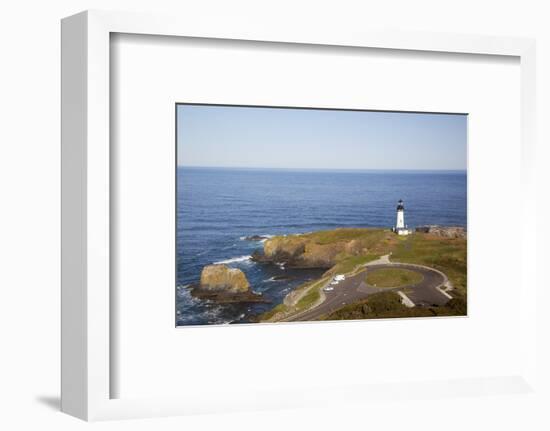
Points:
point(400, 205)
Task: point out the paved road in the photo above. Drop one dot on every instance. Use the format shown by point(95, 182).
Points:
point(354, 288)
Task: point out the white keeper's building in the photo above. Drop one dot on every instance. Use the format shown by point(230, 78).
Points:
point(400, 226)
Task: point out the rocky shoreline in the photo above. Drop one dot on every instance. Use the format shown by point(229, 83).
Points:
point(307, 252)
point(226, 297)
point(323, 250)
point(443, 231)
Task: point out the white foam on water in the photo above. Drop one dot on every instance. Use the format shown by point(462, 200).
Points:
point(265, 237)
point(234, 260)
point(212, 315)
point(209, 313)
point(185, 293)
point(271, 279)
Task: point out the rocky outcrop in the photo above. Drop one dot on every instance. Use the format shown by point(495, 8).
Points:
point(299, 252)
point(221, 277)
point(443, 231)
point(283, 248)
point(355, 247)
point(224, 284)
point(320, 255)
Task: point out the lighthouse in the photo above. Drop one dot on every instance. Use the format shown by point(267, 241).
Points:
point(400, 226)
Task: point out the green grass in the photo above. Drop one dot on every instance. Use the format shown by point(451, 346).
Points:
point(385, 305)
point(446, 254)
point(308, 299)
point(312, 295)
point(368, 236)
point(349, 263)
point(280, 308)
point(393, 277)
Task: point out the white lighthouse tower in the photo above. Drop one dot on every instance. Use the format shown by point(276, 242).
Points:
point(400, 226)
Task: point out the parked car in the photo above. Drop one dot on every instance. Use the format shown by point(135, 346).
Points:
point(328, 288)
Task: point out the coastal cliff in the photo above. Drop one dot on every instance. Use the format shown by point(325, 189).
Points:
point(299, 252)
point(323, 249)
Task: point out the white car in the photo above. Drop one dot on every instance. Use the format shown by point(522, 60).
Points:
point(340, 277)
point(328, 288)
point(334, 283)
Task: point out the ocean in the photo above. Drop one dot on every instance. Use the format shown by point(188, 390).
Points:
point(218, 208)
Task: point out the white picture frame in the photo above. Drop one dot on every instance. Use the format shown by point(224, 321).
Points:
point(87, 343)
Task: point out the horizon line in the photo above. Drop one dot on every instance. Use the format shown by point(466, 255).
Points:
point(325, 169)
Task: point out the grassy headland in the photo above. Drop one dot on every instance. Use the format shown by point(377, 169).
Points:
point(448, 255)
point(345, 251)
point(393, 277)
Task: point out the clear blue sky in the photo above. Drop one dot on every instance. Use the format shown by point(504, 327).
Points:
point(319, 139)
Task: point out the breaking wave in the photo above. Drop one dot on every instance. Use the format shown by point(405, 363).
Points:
point(234, 260)
point(263, 238)
point(270, 279)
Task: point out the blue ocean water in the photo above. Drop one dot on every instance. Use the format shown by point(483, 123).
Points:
point(218, 208)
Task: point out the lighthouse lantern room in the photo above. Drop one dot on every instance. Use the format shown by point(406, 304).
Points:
point(400, 226)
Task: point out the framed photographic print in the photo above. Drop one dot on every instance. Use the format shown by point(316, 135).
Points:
point(288, 204)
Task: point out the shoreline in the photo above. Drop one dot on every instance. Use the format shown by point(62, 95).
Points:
point(348, 252)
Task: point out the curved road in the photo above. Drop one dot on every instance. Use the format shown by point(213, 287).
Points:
point(354, 288)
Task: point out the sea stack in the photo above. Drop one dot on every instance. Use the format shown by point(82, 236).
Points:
point(221, 277)
point(221, 283)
